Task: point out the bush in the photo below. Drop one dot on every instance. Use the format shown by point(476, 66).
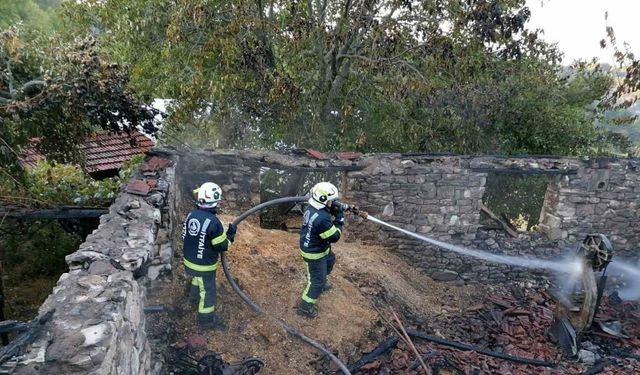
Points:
point(36, 247)
point(68, 184)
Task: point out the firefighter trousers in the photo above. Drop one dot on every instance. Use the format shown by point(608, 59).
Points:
point(317, 272)
point(203, 289)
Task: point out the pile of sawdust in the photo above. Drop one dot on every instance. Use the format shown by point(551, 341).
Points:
point(270, 270)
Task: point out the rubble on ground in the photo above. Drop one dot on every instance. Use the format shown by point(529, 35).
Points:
point(515, 322)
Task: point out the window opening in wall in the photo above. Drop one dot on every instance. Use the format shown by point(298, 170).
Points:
point(515, 200)
point(277, 183)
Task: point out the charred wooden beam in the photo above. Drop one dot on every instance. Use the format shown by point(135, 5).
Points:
point(382, 348)
point(528, 172)
point(504, 224)
point(23, 340)
point(461, 346)
point(53, 213)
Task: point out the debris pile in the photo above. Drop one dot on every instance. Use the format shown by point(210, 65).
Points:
point(514, 322)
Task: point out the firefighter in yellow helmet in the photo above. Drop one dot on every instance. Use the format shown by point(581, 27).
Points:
point(322, 226)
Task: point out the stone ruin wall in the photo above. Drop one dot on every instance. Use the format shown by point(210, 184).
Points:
point(440, 196)
point(93, 322)
point(602, 197)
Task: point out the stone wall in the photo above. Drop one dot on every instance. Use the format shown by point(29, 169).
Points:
point(602, 197)
point(93, 322)
point(440, 196)
point(238, 172)
point(237, 176)
point(436, 197)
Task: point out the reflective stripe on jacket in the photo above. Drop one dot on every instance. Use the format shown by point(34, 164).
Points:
point(204, 238)
point(318, 232)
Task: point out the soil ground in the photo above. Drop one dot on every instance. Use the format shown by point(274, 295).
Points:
point(270, 270)
point(365, 280)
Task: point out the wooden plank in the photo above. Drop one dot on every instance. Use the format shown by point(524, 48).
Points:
point(53, 213)
point(495, 217)
point(527, 172)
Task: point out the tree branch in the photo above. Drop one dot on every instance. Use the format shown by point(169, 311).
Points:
point(9, 77)
point(29, 86)
point(386, 59)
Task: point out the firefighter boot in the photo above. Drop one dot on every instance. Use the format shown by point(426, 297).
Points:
point(211, 321)
point(307, 309)
point(327, 286)
point(192, 293)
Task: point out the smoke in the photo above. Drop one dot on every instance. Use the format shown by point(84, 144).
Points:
point(626, 274)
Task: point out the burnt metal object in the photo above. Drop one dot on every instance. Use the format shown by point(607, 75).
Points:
point(183, 363)
point(613, 328)
point(575, 312)
point(212, 364)
point(564, 335)
point(598, 250)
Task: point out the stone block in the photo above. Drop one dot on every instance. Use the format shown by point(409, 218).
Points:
point(435, 219)
point(446, 275)
point(166, 253)
point(446, 193)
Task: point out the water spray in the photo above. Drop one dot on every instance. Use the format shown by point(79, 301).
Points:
point(572, 267)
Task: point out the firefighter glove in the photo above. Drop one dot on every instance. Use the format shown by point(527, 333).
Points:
point(231, 232)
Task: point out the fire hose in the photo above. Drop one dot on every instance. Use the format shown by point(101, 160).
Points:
point(290, 330)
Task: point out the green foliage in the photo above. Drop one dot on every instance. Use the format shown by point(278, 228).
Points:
point(34, 14)
point(519, 198)
point(61, 92)
point(68, 184)
point(380, 75)
point(42, 244)
point(130, 166)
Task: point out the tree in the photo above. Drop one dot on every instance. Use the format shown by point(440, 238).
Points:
point(369, 75)
point(61, 92)
point(32, 13)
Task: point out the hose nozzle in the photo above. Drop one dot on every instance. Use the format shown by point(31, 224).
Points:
point(344, 207)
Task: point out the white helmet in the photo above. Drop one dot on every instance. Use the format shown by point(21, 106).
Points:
point(323, 193)
point(209, 194)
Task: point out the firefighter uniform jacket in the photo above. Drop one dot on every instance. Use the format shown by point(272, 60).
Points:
point(204, 238)
point(318, 232)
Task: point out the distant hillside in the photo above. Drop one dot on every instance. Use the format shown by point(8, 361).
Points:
point(633, 130)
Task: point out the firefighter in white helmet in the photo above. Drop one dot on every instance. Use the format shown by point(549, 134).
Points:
point(322, 226)
point(204, 239)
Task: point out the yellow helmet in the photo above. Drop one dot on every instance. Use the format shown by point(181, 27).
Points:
point(324, 192)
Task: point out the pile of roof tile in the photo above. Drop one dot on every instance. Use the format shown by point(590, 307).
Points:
point(515, 323)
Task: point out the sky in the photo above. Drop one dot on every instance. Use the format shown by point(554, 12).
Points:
point(579, 25)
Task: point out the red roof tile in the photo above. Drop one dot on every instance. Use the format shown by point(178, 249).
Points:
point(347, 155)
point(137, 186)
point(316, 154)
point(102, 151)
